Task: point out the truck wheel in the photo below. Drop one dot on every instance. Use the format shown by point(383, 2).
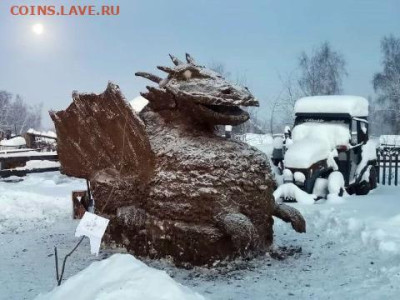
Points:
point(275, 162)
point(373, 178)
point(362, 188)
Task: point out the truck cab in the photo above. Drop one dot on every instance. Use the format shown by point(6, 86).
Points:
point(330, 134)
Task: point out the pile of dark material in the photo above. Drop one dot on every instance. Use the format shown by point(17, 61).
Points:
point(171, 187)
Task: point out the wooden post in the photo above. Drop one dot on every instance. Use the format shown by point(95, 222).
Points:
point(396, 170)
point(384, 169)
point(390, 168)
point(30, 140)
point(378, 161)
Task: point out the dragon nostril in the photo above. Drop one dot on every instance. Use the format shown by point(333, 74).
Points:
point(226, 91)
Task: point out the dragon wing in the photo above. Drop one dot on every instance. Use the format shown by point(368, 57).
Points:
point(98, 132)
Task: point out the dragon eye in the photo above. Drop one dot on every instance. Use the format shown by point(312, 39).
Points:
point(187, 74)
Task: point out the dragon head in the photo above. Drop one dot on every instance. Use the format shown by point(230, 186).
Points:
point(200, 92)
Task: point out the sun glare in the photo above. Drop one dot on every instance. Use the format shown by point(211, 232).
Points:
point(37, 29)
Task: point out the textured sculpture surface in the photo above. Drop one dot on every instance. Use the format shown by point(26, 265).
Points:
point(171, 187)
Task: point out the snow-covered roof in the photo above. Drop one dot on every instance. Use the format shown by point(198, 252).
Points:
point(47, 133)
point(353, 105)
point(138, 103)
point(13, 142)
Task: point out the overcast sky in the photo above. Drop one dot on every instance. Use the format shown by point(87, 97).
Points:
point(256, 39)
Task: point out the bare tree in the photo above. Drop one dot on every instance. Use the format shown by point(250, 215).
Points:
point(282, 107)
point(387, 83)
point(5, 100)
point(220, 68)
point(16, 115)
point(322, 72)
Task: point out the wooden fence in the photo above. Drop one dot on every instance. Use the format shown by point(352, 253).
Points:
point(12, 162)
point(388, 165)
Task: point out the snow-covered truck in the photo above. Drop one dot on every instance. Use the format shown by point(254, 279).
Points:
point(328, 151)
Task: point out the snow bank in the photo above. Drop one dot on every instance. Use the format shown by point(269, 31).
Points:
point(24, 153)
point(39, 164)
point(321, 187)
point(290, 190)
point(37, 201)
point(121, 277)
point(313, 142)
point(335, 186)
point(258, 139)
point(389, 140)
point(385, 238)
point(139, 103)
point(13, 142)
point(263, 142)
point(353, 105)
point(335, 182)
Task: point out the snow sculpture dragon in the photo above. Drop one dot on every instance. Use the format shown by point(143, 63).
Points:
point(169, 184)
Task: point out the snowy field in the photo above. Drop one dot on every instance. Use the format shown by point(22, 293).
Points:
point(351, 249)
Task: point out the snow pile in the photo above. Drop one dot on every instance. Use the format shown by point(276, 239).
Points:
point(386, 237)
point(287, 175)
point(299, 177)
point(39, 164)
point(36, 201)
point(321, 187)
point(335, 187)
point(333, 134)
point(389, 140)
point(139, 103)
point(121, 277)
point(263, 142)
point(368, 153)
point(313, 142)
point(278, 142)
point(291, 191)
point(335, 182)
point(16, 142)
point(353, 105)
point(25, 153)
point(258, 139)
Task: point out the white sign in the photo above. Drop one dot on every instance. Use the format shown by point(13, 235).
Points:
point(92, 226)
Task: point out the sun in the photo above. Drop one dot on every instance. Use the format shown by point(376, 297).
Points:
point(38, 29)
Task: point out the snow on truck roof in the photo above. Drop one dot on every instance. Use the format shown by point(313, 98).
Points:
point(353, 105)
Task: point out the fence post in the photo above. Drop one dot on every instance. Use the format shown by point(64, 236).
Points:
point(396, 170)
point(390, 168)
point(384, 168)
point(378, 161)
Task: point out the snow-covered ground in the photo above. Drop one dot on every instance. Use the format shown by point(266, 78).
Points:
point(35, 216)
point(351, 249)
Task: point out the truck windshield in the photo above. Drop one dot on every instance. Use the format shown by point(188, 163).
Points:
point(317, 119)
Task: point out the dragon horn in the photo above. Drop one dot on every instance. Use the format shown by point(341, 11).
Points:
point(166, 69)
point(175, 60)
point(190, 59)
point(149, 76)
